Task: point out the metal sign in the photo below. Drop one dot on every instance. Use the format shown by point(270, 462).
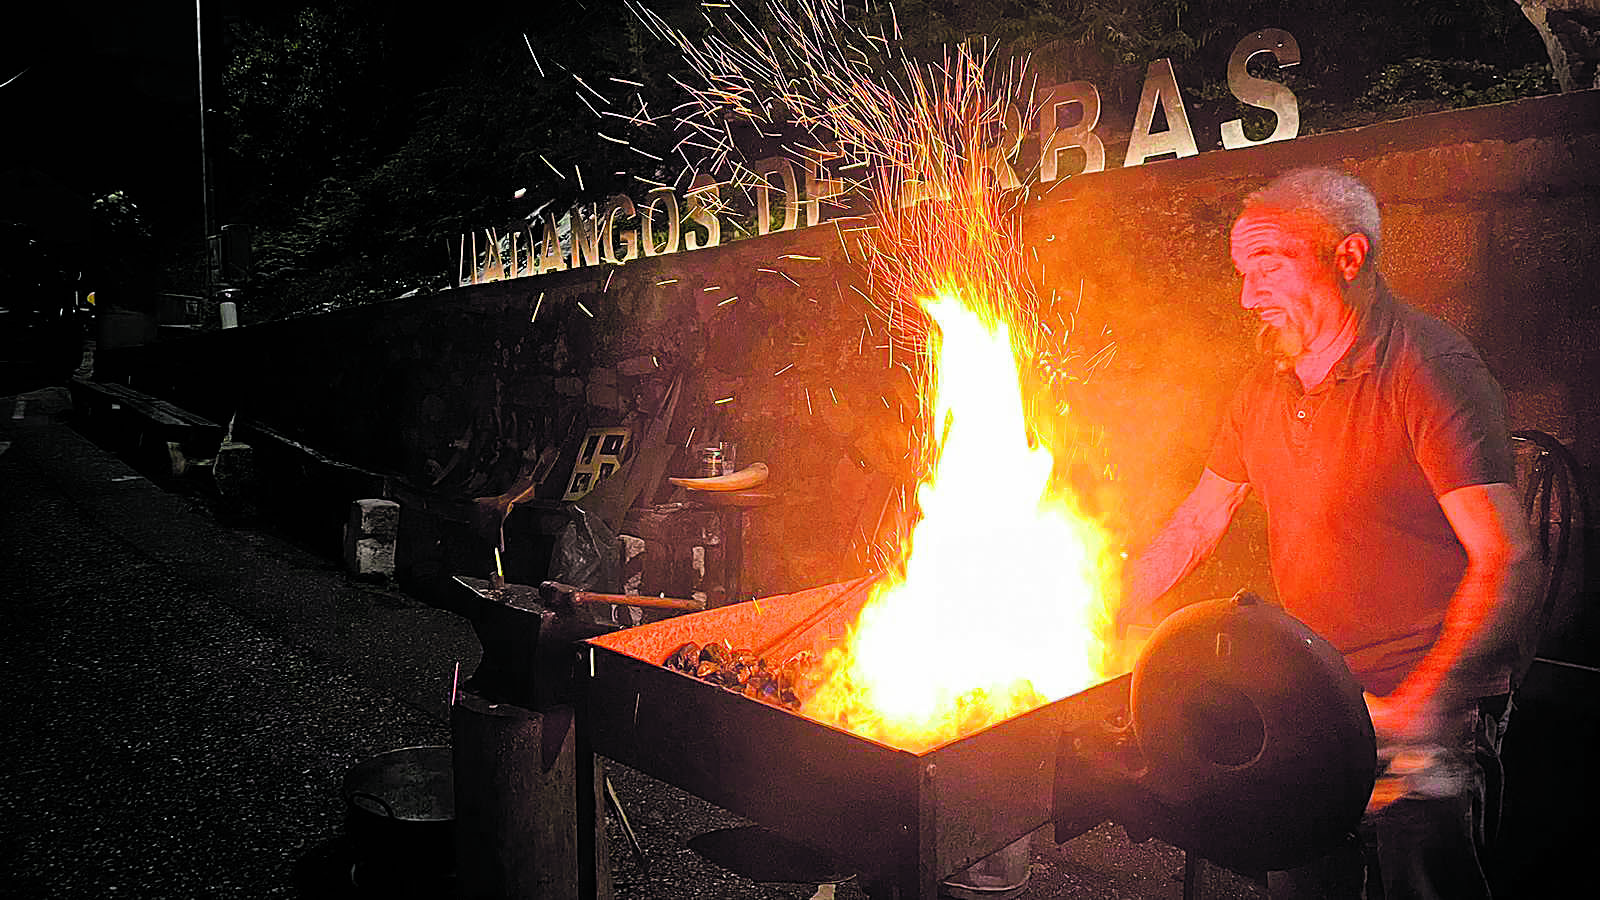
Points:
point(622, 230)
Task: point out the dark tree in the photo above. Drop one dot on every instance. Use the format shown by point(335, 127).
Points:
point(364, 138)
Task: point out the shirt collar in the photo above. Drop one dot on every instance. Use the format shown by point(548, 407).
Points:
point(1370, 334)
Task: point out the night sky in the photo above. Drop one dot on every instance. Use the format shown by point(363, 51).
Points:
point(101, 97)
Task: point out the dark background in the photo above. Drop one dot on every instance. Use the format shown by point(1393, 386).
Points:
point(358, 139)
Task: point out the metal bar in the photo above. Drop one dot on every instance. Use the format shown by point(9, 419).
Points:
point(927, 867)
point(850, 593)
point(589, 826)
point(823, 787)
point(627, 827)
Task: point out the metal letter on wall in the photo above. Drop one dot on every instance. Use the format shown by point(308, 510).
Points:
point(533, 253)
point(1259, 92)
point(1160, 85)
point(493, 263)
point(550, 248)
point(997, 158)
point(647, 223)
point(585, 237)
point(905, 189)
point(791, 194)
point(1053, 139)
point(705, 198)
point(821, 184)
point(618, 204)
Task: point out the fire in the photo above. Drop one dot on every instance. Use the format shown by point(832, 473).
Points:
point(999, 596)
point(1005, 589)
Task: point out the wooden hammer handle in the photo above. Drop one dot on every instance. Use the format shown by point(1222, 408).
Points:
point(579, 597)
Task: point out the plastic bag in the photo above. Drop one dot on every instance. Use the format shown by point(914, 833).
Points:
point(587, 556)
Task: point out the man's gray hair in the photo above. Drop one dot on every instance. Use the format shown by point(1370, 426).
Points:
point(1341, 201)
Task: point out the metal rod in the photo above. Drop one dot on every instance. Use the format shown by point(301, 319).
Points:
point(816, 616)
point(205, 158)
point(627, 827)
point(1563, 663)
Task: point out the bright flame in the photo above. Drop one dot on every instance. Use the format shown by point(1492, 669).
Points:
point(1005, 583)
point(1005, 589)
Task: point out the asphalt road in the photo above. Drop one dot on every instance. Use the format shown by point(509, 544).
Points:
point(183, 696)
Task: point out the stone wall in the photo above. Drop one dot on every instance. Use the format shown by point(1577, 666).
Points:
point(1491, 221)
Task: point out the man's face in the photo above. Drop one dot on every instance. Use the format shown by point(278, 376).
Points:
point(1294, 291)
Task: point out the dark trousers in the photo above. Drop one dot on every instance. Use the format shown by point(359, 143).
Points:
point(1429, 844)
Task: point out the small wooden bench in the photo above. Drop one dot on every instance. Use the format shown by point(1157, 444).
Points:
point(154, 430)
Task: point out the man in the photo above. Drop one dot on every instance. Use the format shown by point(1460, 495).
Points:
point(1377, 440)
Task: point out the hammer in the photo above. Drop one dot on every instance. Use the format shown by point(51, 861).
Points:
point(556, 595)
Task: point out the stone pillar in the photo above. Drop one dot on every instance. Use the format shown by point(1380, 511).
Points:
point(235, 475)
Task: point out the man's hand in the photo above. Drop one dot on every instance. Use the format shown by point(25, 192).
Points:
point(1401, 721)
point(1484, 618)
point(1418, 750)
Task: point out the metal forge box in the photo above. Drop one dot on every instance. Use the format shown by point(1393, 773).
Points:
point(905, 820)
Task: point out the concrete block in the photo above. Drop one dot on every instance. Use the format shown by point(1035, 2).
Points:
point(372, 557)
point(234, 472)
point(369, 538)
point(375, 518)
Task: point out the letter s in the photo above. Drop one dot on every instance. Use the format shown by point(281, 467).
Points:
point(1259, 92)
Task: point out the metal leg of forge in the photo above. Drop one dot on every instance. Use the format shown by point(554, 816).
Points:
point(594, 870)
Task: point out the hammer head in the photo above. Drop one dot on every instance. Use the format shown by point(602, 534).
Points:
point(555, 595)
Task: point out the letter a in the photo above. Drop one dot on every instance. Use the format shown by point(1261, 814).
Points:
point(1160, 85)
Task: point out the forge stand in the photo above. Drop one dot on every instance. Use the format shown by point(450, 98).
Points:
point(905, 821)
point(1253, 745)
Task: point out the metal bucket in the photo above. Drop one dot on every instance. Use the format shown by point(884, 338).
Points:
point(400, 812)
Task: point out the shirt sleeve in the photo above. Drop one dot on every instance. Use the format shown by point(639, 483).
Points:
point(1227, 448)
point(1455, 414)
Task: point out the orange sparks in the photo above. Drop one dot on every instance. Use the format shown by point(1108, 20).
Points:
point(997, 599)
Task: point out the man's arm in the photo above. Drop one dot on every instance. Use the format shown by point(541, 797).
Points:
point(1481, 625)
point(1193, 532)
